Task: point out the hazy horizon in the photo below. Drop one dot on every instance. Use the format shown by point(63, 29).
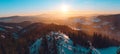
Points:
point(59, 14)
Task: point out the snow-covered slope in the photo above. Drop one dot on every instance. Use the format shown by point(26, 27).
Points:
point(65, 45)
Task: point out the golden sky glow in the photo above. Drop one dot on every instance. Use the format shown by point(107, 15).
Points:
point(34, 7)
point(64, 8)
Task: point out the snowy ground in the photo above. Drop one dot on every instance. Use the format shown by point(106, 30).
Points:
point(65, 45)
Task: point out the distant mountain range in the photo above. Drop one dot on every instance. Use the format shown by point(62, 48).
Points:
point(105, 24)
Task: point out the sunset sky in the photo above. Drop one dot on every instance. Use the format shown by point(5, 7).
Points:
point(29, 7)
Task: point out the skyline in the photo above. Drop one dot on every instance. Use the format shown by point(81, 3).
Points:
point(34, 7)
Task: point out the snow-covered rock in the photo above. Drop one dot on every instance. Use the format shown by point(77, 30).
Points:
point(19, 27)
point(3, 36)
point(97, 26)
point(110, 50)
point(64, 44)
point(96, 20)
point(34, 48)
point(8, 27)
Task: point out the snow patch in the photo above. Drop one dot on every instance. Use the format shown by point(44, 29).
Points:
point(96, 20)
point(3, 36)
point(34, 48)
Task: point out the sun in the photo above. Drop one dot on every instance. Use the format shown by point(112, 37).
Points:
point(64, 8)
